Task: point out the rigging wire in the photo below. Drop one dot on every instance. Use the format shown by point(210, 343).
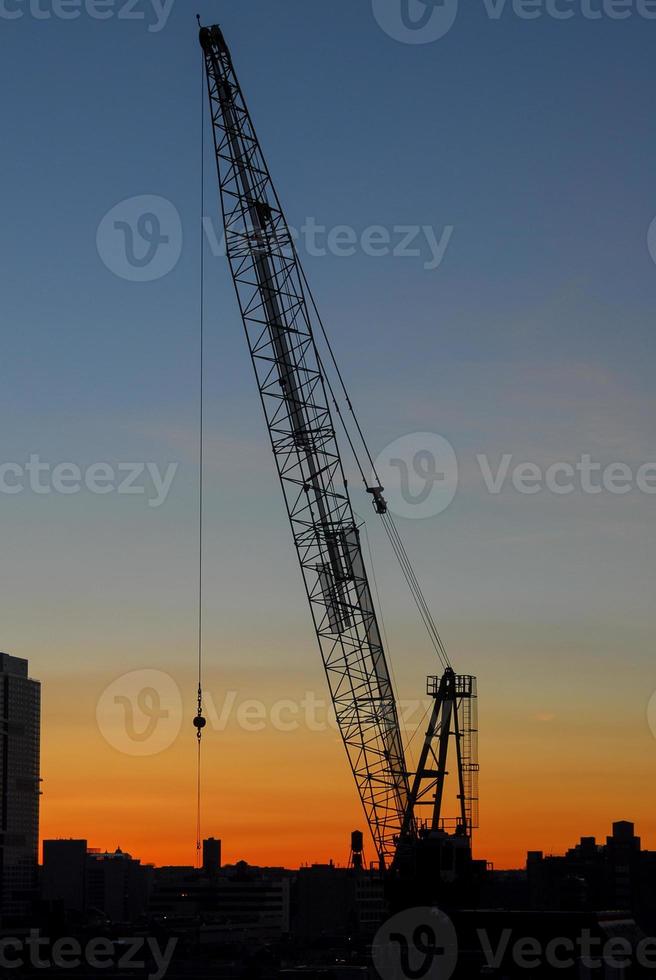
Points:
point(373, 573)
point(395, 537)
point(335, 364)
point(379, 605)
point(397, 545)
point(199, 720)
point(415, 591)
point(372, 565)
point(408, 746)
point(391, 530)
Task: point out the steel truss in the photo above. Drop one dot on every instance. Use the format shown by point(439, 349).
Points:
point(279, 331)
point(454, 717)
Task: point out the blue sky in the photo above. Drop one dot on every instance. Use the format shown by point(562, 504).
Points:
point(534, 140)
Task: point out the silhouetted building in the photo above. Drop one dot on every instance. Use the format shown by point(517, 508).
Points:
point(504, 890)
point(616, 875)
point(241, 904)
point(92, 883)
point(118, 885)
point(20, 698)
point(64, 873)
point(330, 902)
point(211, 855)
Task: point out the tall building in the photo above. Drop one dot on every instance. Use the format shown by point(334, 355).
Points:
point(64, 874)
point(20, 704)
point(330, 901)
point(117, 885)
point(85, 882)
point(211, 856)
point(598, 877)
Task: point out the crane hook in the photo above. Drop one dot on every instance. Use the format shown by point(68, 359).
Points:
point(199, 721)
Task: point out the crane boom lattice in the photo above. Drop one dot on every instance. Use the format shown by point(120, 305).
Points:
point(279, 330)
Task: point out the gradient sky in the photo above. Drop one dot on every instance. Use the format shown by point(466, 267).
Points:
point(535, 337)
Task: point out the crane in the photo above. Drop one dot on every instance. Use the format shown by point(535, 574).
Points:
point(279, 318)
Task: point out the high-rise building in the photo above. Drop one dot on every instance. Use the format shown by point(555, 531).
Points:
point(20, 704)
point(117, 884)
point(64, 874)
point(592, 876)
point(211, 856)
point(85, 881)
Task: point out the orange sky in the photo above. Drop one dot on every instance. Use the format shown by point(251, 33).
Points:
point(287, 797)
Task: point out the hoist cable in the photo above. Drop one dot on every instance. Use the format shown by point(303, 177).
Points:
point(342, 383)
point(391, 530)
point(397, 537)
point(396, 542)
point(415, 588)
point(379, 605)
point(198, 806)
point(416, 593)
point(340, 416)
point(199, 721)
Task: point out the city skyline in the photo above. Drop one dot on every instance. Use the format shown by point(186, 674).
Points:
point(287, 718)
